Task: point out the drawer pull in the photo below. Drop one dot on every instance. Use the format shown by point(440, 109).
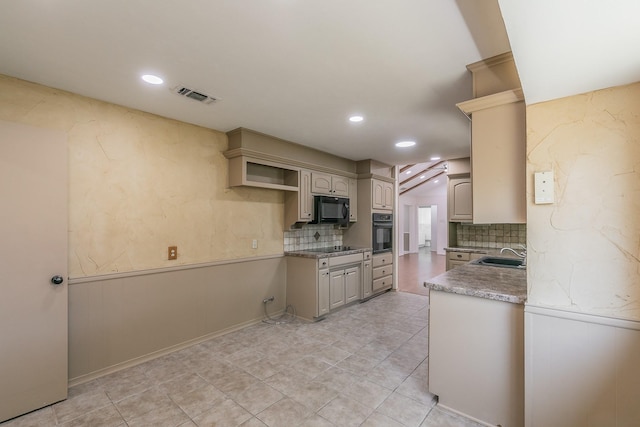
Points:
point(459, 256)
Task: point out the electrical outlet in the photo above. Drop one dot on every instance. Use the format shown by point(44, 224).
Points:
point(172, 252)
point(254, 244)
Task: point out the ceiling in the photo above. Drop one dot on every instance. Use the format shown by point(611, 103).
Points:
point(297, 69)
point(292, 69)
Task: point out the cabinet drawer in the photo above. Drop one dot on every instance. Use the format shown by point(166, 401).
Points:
point(382, 283)
point(323, 263)
point(459, 256)
point(345, 259)
point(385, 270)
point(382, 259)
point(454, 264)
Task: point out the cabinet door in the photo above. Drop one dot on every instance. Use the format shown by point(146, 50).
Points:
point(377, 189)
point(498, 158)
point(305, 199)
point(460, 206)
point(382, 195)
point(388, 196)
point(352, 284)
point(336, 291)
point(321, 183)
point(339, 186)
point(353, 200)
point(323, 292)
point(367, 285)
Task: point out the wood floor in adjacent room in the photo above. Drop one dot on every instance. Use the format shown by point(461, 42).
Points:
point(415, 268)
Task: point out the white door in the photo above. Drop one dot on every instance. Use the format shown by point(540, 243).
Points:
point(33, 250)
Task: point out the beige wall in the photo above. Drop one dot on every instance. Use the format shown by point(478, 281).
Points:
point(584, 249)
point(140, 183)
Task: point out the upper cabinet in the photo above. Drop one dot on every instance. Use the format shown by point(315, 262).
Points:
point(331, 185)
point(353, 200)
point(498, 144)
point(259, 160)
point(460, 199)
point(382, 195)
point(298, 206)
point(248, 171)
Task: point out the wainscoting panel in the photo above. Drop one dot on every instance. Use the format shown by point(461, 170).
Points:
point(120, 320)
point(580, 370)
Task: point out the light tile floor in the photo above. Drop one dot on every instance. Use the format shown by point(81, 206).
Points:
point(365, 365)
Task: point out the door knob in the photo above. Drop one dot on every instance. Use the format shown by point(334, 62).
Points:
point(57, 280)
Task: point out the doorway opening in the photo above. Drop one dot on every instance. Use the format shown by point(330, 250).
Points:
point(420, 260)
point(424, 227)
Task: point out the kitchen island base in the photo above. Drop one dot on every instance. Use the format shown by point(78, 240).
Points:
point(476, 357)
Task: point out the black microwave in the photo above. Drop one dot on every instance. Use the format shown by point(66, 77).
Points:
point(330, 210)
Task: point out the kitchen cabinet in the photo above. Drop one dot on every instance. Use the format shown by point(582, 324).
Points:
point(460, 199)
point(298, 205)
point(353, 200)
point(315, 287)
point(458, 258)
point(367, 276)
point(476, 356)
point(382, 195)
point(498, 164)
point(498, 145)
point(382, 272)
point(345, 286)
point(324, 284)
point(331, 185)
point(253, 172)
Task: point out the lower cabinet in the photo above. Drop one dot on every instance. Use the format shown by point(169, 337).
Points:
point(324, 284)
point(457, 258)
point(367, 276)
point(382, 272)
point(476, 357)
point(317, 286)
point(345, 286)
point(352, 284)
point(336, 290)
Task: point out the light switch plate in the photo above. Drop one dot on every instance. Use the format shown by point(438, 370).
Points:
point(543, 188)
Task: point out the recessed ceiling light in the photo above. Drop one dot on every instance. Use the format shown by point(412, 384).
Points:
point(423, 176)
point(404, 144)
point(408, 172)
point(436, 181)
point(356, 119)
point(154, 80)
point(435, 158)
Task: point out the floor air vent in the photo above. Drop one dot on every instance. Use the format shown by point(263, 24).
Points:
point(198, 96)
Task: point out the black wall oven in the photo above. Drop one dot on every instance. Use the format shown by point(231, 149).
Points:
point(382, 233)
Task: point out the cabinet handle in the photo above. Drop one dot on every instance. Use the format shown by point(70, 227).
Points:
point(383, 271)
point(459, 256)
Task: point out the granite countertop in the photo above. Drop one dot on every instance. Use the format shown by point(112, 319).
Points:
point(315, 254)
point(496, 283)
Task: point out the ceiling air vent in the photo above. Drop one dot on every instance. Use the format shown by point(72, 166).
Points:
point(198, 96)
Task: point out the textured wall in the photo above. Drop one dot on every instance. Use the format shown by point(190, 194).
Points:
point(139, 183)
point(584, 249)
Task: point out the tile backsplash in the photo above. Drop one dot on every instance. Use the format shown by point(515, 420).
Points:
point(491, 235)
point(312, 236)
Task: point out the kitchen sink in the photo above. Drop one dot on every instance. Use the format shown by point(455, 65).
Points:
point(499, 262)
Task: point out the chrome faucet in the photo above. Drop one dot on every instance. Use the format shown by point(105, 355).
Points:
point(522, 254)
